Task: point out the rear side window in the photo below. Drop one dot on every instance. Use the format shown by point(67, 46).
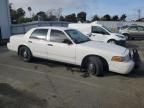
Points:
point(39, 34)
point(140, 28)
point(57, 36)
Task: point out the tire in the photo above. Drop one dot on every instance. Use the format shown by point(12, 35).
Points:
point(25, 54)
point(112, 41)
point(95, 66)
point(127, 36)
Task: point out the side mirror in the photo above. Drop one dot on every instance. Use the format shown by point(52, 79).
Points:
point(89, 35)
point(67, 41)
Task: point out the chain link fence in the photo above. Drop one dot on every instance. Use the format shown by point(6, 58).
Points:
point(23, 28)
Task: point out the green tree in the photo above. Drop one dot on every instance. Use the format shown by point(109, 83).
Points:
point(20, 12)
point(106, 18)
point(81, 16)
point(115, 18)
point(71, 18)
point(13, 14)
point(95, 18)
point(24, 20)
point(30, 10)
point(123, 17)
point(42, 16)
point(52, 18)
point(62, 18)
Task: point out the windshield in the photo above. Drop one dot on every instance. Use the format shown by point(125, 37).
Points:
point(107, 29)
point(77, 36)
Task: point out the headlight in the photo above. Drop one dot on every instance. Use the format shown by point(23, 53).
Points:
point(120, 59)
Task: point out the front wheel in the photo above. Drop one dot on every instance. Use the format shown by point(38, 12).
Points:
point(112, 41)
point(95, 66)
point(25, 54)
point(128, 37)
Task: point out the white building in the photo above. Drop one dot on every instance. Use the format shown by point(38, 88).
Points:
point(5, 23)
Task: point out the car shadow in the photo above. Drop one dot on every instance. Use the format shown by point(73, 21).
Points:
point(130, 45)
point(54, 64)
point(137, 39)
point(51, 63)
point(136, 73)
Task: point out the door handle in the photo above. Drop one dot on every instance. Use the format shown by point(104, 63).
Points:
point(50, 45)
point(29, 41)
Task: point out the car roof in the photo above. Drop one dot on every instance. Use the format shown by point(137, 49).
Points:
point(91, 24)
point(57, 28)
point(135, 25)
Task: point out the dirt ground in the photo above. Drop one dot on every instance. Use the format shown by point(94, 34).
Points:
point(47, 84)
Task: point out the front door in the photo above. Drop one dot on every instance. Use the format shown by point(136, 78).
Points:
point(59, 50)
point(99, 34)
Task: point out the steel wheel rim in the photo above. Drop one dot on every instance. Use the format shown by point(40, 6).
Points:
point(91, 68)
point(112, 42)
point(24, 54)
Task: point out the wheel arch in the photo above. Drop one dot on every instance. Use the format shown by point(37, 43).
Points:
point(84, 61)
point(22, 46)
point(111, 40)
point(125, 34)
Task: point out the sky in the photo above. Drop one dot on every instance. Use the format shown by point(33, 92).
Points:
point(92, 7)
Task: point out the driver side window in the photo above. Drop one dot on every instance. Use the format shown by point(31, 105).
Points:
point(99, 30)
point(58, 36)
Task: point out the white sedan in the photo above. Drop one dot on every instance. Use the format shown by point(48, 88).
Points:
point(72, 47)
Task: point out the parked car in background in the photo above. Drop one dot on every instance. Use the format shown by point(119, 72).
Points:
point(99, 32)
point(71, 46)
point(133, 31)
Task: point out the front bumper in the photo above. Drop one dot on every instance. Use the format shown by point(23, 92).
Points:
point(122, 67)
point(127, 67)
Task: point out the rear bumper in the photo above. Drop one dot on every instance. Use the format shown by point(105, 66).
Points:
point(11, 47)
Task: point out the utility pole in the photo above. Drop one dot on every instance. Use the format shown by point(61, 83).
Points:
point(139, 14)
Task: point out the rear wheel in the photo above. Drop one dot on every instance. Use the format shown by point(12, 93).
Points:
point(95, 66)
point(25, 54)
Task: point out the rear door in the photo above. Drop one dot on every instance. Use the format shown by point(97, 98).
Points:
point(37, 43)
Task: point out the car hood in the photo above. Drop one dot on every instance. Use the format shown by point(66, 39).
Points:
point(117, 34)
point(104, 47)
